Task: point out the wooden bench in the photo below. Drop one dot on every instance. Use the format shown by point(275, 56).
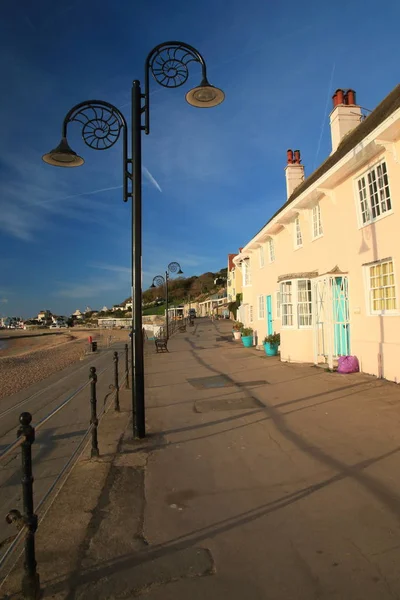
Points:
point(161, 345)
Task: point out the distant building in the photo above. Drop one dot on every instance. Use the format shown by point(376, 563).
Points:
point(44, 315)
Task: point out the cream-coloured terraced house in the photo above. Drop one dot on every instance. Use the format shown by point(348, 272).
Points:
point(324, 271)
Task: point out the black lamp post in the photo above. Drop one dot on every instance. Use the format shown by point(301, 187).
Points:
point(159, 280)
point(101, 124)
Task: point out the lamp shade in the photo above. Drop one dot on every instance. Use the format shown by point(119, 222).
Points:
point(63, 156)
point(205, 95)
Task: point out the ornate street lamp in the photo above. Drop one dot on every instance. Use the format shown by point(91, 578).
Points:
point(102, 124)
point(159, 280)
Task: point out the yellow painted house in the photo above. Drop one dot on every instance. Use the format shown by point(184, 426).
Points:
point(324, 270)
point(234, 278)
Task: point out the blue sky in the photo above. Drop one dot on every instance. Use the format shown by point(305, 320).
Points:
point(212, 177)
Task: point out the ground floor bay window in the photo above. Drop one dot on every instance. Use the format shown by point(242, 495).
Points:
point(296, 303)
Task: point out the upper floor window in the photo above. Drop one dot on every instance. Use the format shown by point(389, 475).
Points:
point(374, 194)
point(261, 251)
point(246, 272)
point(271, 250)
point(316, 221)
point(298, 238)
point(382, 287)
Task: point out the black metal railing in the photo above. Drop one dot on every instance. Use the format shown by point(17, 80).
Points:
point(27, 522)
point(173, 327)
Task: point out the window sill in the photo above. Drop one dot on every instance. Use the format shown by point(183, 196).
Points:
point(372, 221)
point(317, 237)
point(298, 247)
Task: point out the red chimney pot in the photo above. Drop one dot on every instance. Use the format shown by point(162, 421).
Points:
point(339, 97)
point(289, 157)
point(297, 158)
point(351, 97)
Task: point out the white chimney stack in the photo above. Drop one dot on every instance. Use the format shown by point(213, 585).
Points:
point(294, 171)
point(345, 116)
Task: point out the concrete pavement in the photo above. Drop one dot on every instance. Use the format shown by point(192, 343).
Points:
point(257, 479)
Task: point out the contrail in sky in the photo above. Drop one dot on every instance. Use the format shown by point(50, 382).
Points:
point(151, 178)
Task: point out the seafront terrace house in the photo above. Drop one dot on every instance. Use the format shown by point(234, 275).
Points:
point(324, 270)
point(234, 278)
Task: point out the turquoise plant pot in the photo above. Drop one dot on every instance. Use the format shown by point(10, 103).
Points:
point(247, 341)
point(270, 349)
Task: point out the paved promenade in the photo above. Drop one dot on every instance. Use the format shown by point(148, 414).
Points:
point(258, 480)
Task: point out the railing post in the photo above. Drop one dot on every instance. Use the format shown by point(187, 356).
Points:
point(93, 405)
point(127, 366)
point(116, 382)
point(30, 579)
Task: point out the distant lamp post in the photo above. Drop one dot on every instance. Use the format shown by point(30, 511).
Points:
point(159, 280)
point(102, 124)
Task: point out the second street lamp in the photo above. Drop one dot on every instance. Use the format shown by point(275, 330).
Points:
point(102, 124)
point(159, 280)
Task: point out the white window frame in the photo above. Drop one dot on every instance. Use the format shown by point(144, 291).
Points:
point(262, 256)
point(271, 250)
point(369, 290)
point(304, 304)
point(373, 184)
point(295, 304)
point(298, 236)
point(316, 222)
point(261, 307)
point(284, 312)
point(246, 273)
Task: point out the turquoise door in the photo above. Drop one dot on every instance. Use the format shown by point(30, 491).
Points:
point(340, 301)
point(270, 328)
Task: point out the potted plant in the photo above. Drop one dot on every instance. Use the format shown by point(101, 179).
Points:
point(247, 337)
point(271, 344)
point(237, 330)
